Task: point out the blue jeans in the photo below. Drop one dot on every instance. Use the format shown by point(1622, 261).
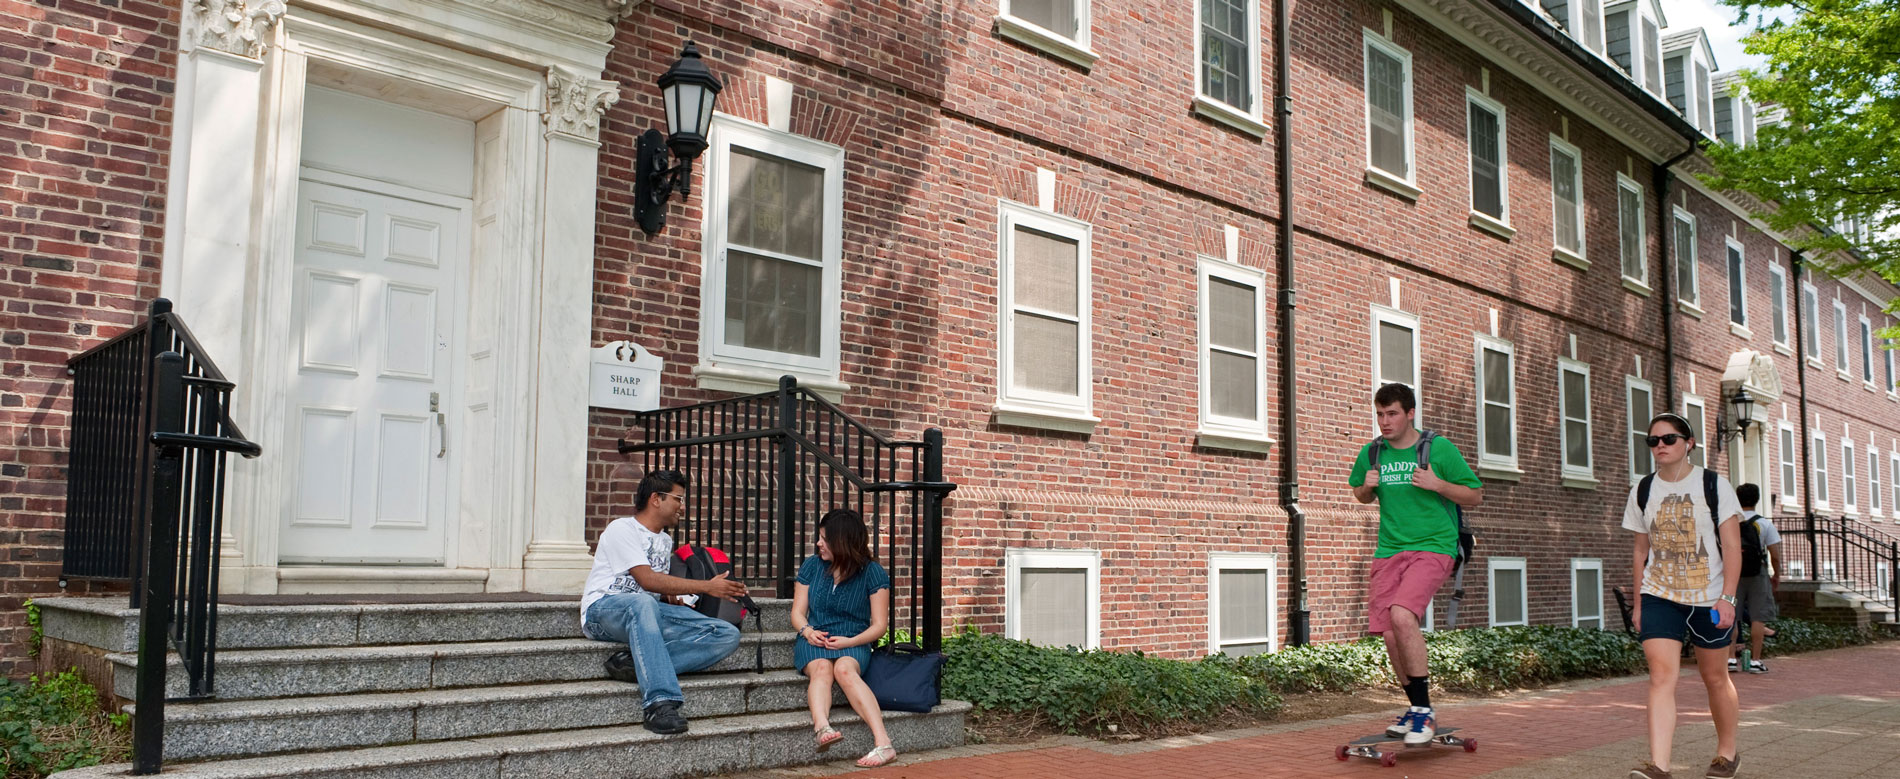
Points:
point(666, 640)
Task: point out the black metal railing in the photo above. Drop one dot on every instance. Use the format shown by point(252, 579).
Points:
point(765, 467)
point(151, 427)
point(1834, 550)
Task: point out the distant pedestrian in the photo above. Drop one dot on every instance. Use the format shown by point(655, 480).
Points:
point(1761, 576)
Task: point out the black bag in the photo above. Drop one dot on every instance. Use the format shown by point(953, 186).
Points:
point(904, 677)
point(1754, 557)
point(702, 563)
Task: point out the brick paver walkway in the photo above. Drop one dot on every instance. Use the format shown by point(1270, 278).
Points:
point(1827, 714)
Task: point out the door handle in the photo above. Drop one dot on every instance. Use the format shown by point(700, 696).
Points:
point(441, 424)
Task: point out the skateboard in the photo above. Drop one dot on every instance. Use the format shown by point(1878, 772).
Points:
point(1368, 747)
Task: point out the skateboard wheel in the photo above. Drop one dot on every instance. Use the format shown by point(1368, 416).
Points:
point(1340, 753)
point(1471, 745)
point(1388, 760)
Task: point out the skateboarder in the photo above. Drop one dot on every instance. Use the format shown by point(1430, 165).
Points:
point(1418, 536)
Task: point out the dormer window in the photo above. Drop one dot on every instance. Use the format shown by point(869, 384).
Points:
point(1632, 39)
point(1687, 62)
point(1583, 19)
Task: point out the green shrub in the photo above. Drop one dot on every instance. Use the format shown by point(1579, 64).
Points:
point(33, 623)
point(55, 724)
point(1089, 691)
point(1795, 635)
point(1481, 659)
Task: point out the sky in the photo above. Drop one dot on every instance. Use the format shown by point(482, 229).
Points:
point(1718, 22)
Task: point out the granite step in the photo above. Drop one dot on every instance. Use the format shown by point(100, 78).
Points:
point(282, 673)
point(322, 723)
point(712, 746)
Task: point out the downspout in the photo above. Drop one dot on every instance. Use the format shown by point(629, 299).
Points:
point(1667, 228)
point(1299, 621)
point(1800, 257)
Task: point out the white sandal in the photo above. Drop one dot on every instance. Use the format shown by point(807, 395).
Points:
point(883, 755)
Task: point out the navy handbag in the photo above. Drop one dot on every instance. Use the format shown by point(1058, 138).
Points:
point(904, 677)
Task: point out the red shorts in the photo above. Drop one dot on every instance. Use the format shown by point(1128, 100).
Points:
point(1407, 579)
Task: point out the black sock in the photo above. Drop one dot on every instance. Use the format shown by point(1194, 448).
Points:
point(1419, 690)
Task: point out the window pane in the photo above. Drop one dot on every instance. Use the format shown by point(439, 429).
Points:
point(1589, 592)
point(1652, 64)
point(773, 304)
point(1225, 68)
point(1778, 305)
point(1787, 462)
point(1810, 321)
point(1685, 261)
point(1497, 377)
point(1395, 354)
point(1046, 272)
point(1243, 605)
point(1563, 188)
point(1737, 295)
point(1508, 595)
point(1497, 411)
point(1057, 16)
point(1703, 120)
point(1629, 206)
point(1576, 444)
point(1054, 606)
point(1235, 381)
point(1840, 338)
point(1639, 416)
point(1231, 323)
point(1592, 23)
point(1497, 430)
point(1697, 417)
point(1046, 354)
point(1725, 118)
point(1385, 96)
point(776, 205)
point(1866, 352)
point(1576, 395)
point(1487, 196)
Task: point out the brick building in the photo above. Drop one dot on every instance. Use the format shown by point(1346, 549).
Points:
point(1050, 229)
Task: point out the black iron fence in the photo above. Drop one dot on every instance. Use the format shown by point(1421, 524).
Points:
point(151, 428)
point(765, 467)
point(1834, 550)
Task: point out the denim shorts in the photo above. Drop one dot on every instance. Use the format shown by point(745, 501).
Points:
point(1664, 618)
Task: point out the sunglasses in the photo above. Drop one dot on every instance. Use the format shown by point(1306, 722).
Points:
point(1666, 438)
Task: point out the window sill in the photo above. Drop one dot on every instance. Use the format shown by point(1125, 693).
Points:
point(1637, 287)
point(1741, 330)
point(753, 381)
point(1783, 350)
point(1814, 362)
point(1495, 472)
point(1393, 184)
point(1234, 440)
point(1045, 41)
point(1871, 387)
point(1689, 308)
point(1569, 258)
point(1489, 224)
point(1228, 115)
point(1059, 420)
point(1842, 373)
point(1579, 482)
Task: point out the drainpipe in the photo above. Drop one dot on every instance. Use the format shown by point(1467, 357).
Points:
point(1299, 621)
point(1800, 257)
point(1663, 180)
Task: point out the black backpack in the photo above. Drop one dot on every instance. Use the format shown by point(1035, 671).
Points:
point(1466, 539)
point(1754, 555)
point(1711, 494)
point(702, 563)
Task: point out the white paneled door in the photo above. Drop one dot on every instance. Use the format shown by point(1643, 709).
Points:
point(378, 287)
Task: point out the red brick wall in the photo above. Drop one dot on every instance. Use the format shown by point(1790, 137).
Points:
point(85, 112)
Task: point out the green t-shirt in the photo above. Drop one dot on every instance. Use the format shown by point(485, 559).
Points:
point(1410, 518)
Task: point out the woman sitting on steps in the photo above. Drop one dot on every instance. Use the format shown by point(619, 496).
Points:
point(842, 607)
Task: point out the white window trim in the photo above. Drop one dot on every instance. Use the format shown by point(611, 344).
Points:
point(1218, 432)
point(1699, 421)
point(742, 369)
point(1741, 267)
point(1693, 303)
point(1789, 497)
point(1893, 387)
point(1026, 407)
point(1074, 50)
point(1015, 560)
point(1220, 561)
point(1893, 483)
point(1580, 255)
point(1397, 317)
point(1586, 564)
point(1817, 472)
point(1406, 185)
point(1813, 327)
point(1867, 350)
point(1624, 182)
point(1842, 357)
point(1636, 426)
point(1775, 270)
point(1493, 466)
point(1850, 480)
point(1875, 502)
point(1798, 569)
point(1492, 566)
point(1250, 119)
point(1573, 476)
point(1499, 225)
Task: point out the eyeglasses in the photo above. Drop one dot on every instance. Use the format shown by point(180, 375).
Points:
point(1666, 438)
point(680, 498)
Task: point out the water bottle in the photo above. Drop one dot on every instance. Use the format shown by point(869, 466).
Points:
point(1741, 661)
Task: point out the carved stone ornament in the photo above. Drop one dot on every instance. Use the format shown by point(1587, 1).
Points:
point(241, 27)
point(576, 103)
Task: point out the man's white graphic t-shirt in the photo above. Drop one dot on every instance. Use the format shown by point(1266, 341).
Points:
point(1685, 562)
point(624, 544)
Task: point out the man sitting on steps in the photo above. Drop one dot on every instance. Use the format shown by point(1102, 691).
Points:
point(629, 598)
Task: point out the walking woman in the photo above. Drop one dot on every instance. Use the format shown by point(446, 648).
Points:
point(1687, 567)
point(842, 607)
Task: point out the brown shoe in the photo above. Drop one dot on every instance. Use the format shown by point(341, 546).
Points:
point(1648, 771)
point(1722, 767)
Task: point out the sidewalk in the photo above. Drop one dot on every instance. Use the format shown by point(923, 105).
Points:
point(1827, 714)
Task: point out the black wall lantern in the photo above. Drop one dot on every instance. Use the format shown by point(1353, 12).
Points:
point(1744, 405)
point(688, 89)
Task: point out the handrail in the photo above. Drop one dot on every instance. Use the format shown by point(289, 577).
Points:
point(214, 443)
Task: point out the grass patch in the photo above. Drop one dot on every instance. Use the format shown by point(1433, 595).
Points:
point(54, 724)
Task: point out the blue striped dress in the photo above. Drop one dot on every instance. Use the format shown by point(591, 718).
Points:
point(839, 609)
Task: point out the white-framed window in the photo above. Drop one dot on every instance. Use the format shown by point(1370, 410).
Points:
point(1828, 570)
point(1227, 63)
point(1817, 461)
point(1797, 569)
point(1586, 592)
point(1395, 351)
point(1566, 197)
point(1484, 136)
point(1629, 230)
point(1893, 389)
point(1893, 481)
point(1883, 578)
point(1778, 302)
point(1497, 403)
point(1684, 236)
point(774, 253)
point(1045, 328)
point(1873, 481)
point(1850, 486)
point(1696, 411)
point(1640, 401)
point(1840, 338)
point(1737, 285)
point(1652, 53)
point(1388, 88)
point(1240, 600)
point(1232, 351)
point(1811, 322)
point(1867, 351)
point(1510, 600)
point(1056, 27)
point(1573, 392)
point(1785, 452)
point(1052, 597)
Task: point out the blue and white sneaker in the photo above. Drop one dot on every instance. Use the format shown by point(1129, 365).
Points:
point(1401, 727)
point(1424, 727)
